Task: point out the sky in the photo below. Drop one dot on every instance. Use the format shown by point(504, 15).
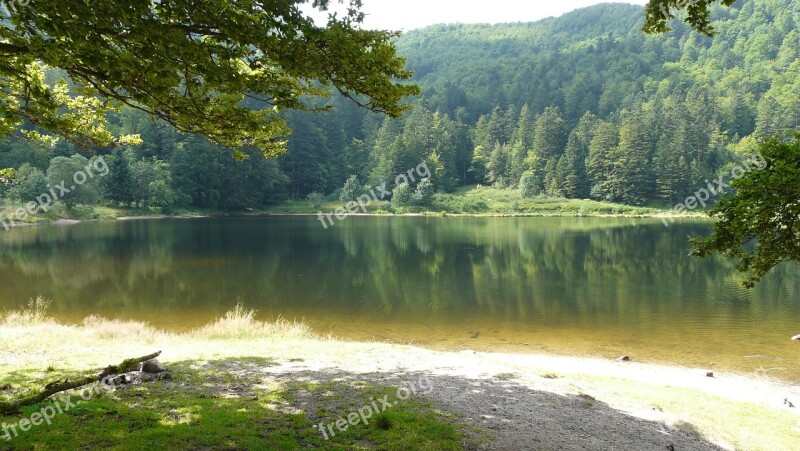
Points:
point(410, 14)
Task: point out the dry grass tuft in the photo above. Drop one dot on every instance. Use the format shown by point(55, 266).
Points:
point(17, 328)
point(34, 314)
point(240, 323)
point(114, 329)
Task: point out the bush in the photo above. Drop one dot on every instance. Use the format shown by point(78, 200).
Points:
point(350, 190)
point(384, 206)
point(334, 196)
point(423, 195)
point(161, 195)
point(474, 206)
point(402, 196)
point(527, 184)
point(316, 199)
point(30, 183)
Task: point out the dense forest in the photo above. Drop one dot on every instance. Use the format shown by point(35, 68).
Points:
point(580, 106)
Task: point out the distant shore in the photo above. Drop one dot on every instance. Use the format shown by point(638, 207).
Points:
point(68, 221)
point(471, 201)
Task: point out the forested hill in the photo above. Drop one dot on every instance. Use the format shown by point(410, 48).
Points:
point(597, 59)
point(479, 67)
point(579, 106)
point(587, 104)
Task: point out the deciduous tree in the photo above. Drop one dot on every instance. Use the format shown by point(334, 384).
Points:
point(759, 225)
point(220, 68)
point(658, 13)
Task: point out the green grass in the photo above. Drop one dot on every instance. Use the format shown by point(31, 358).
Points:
point(473, 200)
point(8, 210)
point(192, 412)
point(219, 397)
point(481, 200)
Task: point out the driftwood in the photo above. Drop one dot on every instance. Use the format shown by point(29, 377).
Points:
point(59, 386)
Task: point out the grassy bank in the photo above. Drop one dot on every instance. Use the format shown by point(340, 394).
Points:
point(218, 397)
point(10, 212)
point(243, 384)
point(488, 201)
point(465, 201)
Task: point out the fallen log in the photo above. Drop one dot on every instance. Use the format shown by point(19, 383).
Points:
point(58, 386)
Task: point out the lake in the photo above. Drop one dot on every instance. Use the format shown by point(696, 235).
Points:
point(581, 286)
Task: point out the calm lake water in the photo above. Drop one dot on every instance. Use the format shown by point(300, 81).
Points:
point(580, 286)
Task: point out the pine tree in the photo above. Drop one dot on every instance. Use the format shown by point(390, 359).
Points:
point(672, 149)
point(571, 171)
point(548, 143)
point(769, 121)
point(523, 133)
point(444, 152)
point(600, 166)
point(742, 115)
point(550, 180)
point(634, 160)
point(521, 143)
point(118, 184)
point(497, 165)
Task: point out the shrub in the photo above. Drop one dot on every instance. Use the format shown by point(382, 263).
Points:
point(385, 205)
point(402, 196)
point(474, 206)
point(315, 199)
point(350, 190)
point(423, 195)
point(527, 184)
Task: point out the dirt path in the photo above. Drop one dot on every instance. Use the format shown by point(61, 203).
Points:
point(505, 415)
point(511, 402)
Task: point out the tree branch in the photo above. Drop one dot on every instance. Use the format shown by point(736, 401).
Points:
point(11, 49)
point(58, 387)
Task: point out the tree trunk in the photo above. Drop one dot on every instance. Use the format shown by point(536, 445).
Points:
point(58, 387)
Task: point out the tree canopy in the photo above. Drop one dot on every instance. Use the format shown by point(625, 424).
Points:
point(760, 223)
point(555, 97)
point(223, 69)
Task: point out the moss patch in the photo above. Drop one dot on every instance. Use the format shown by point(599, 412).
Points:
point(233, 404)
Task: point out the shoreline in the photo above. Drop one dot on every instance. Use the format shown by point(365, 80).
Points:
point(515, 398)
point(70, 222)
point(430, 214)
point(499, 215)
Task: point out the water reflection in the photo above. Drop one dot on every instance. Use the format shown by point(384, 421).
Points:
point(575, 285)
